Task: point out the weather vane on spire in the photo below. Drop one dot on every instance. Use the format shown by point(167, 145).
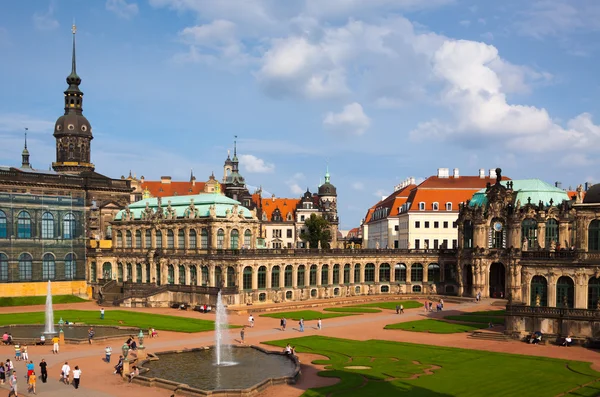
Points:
point(74, 28)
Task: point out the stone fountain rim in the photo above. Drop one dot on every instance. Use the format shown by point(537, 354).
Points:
point(182, 387)
point(135, 330)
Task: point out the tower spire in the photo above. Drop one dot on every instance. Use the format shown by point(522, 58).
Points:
point(74, 59)
point(235, 146)
point(25, 153)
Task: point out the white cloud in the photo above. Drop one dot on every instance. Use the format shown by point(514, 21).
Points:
point(358, 186)
point(381, 194)
point(294, 183)
point(557, 17)
point(465, 22)
point(45, 21)
point(14, 122)
point(122, 8)
point(351, 120)
point(253, 164)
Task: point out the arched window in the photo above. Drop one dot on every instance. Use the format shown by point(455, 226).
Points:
point(193, 275)
point(204, 239)
point(347, 273)
point(138, 273)
point(47, 225)
point(369, 273)
point(181, 275)
point(594, 236)
point(313, 275)
point(3, 223)
point(107, 271)
point(248, 239)
point(593, 292)
point(433, 273)
point(148, 275)
point(275, 277)
point(48, 267)
point(230, 276)
point(129, 272)
point(325, 275)
point(247, 278)
point(497, 236)
point(288, 276)
point(262, 277)
point(3, 267)
point(220, 238)
point(529, 233)
point(138, 239)
point(192, 241)
point(93, 271)
point(416, 272)
point(400, 272)
point(181, 239)
point(357, 273)
point(158, 238)
point(468, 234)
point(170, 274)
point(24, 225)
point(128, 242)
point(119, 239)
point(120, 272)
point(148, 242)
point(205, 279)
point(450, 272)
point(539, 291)
point(25, 266)
point(69, 226)
point(218, 276)
point(235, 236)
point(551, 233)
point(157, 278)
point(301, 279)
point(170, 239)
point(565, 292)
point(384, 272)
point(336, 274)
point(416, 288)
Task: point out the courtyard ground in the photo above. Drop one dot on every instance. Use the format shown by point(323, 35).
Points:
point(98, 380)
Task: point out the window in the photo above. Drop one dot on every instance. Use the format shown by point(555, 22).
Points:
point(3, 229)
point(454, 244)
point(594, 236)
point(416, 272)
point(276, 233)
point(70, 266)
point(417, 224)
point(275, 277)
point(235, 238)
point(47, 225)
point(138, 239)
point(138, 273)
point(204, 275)
point(220, 238)
point(435, 206)
point(158, 239)
point(436, 244)
point(325, 275)
point(119, 239)
point(69, 226)
point(336, 274)
point(529, 233)
point(551, 233)
point(170, 274)
point(448, 206)
point(417, 244)
point(426, 224)
point(426, 243)
point(247, 238)
point(181, 274)
point(454, 225)
point(357, 273)
point(129, 272)
point(301, 279)
point(287, 280)
point(24, 225)
point(369, 273)
point(289, 233)
point(3, 267)
point(396, 227)
point(347, 273)
point(445, 244)
point(128, 239)
point(468, 234)
point(203, 239)
point(170, 239)
point(433, 273)
point(384, 272)
point(192, 237)
point(181, 239)
point(436, 225)
point(421, 206)
point(400, 273)
point(48, 267)
point(230, 276)
point(416, 288)
point(262, 277)
point(148, 242)
point(313, 275)
point(25, 266)
point(445, 224)
point(301, 218)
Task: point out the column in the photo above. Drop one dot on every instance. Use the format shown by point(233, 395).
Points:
point(564, 236)
point(213, 236)
point(164, 273)
point(211, 274)
point(295, 275)
point(254, 276)
point(269, 276)
point(408, 273)
point(330, 275)
point(351, 273)
point(581, 294)
point(143, 265)
point(425, 269)
point(551, 292)
point(541, 235)
point(282, 275)
point(153, 272)
point(241, 277)
point(377, 272)
point(188, 275)
point(393, 273)
point(319, 275)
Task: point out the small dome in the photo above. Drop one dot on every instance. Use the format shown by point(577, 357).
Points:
point(327, 189)
point(592, 196)
point(73, 124)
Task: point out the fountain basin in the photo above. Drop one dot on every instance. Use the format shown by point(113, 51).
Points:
point(193, 372)
point(30, 334)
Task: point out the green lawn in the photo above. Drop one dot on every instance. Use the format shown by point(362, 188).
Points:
point(392, 305)
point(307, 315)
point(486, 313)
point(452, 372)
point(114, 317)
point(477, 319)
point(435, 326)
point(352, 309)
point(39, 300)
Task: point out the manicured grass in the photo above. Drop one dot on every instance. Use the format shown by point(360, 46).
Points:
point(458, 372)
point(307, 315)
point(435, 326)
point(477, 319)
point(114, 317)
point(486, 313)
point(352, 309)
point(392, 305)
point(38, 300)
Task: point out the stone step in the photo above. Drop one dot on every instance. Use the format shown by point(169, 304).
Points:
point(492, 336)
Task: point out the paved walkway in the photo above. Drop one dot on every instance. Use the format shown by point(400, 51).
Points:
point(99, 381)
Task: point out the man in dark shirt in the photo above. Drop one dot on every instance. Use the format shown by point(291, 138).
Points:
point(43, 370)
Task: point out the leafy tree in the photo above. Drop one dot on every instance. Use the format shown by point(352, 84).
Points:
point(317, 230)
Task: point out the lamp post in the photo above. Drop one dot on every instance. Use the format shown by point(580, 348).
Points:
point(141, 351)
point(141, 338)
point(125, 350)
point(61, 334)
point(61, 322)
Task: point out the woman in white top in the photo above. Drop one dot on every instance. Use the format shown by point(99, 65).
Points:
point(76, 376)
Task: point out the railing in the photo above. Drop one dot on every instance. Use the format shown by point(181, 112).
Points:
point(148, 290)
point(550, 255)
point(516, 310)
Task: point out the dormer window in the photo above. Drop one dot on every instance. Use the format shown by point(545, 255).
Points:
point(264, 216)
point(289, 216)
point(436, 206)
point(421, 206)
point(448, 206)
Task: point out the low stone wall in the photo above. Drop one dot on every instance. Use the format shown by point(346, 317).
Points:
point(180, 389)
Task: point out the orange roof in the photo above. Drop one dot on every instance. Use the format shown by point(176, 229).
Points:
point(447, 190)
point(286, 206)
point(160, 189)
point(573, 194)
point(390, 206)
point(353, 232)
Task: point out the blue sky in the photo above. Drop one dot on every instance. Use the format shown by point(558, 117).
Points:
point(381, 89)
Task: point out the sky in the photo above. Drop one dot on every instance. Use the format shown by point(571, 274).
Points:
point(377, 90)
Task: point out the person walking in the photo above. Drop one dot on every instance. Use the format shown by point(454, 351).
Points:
point(76, 376)
point(283, 323)
point(30, 368)
point(24, 352)
point(319, 324)
point(301, 323)
point(91, 334)
point(2, 373)
point(55, 344)
point(12, 381)
point(102, 314)
point(401, 309)
point(64, 372)
point(107, 353)
point(242, 334)
point(397, 309)
point(44, 370)
point(251, 321)
point(31, 382)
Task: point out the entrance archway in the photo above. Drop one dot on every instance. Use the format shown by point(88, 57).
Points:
point(468, 291)
point(497, 280)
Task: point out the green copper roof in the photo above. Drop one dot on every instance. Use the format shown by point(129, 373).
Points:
point(535, 189)
point(181, 204)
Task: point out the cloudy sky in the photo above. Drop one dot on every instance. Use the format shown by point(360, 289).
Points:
point(380, 89)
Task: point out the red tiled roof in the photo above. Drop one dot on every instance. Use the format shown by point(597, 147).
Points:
point(393, 202)
point(354, 232)
point(160, 189)
point(285, 205)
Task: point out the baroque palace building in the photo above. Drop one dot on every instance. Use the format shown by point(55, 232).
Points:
point(48, 216)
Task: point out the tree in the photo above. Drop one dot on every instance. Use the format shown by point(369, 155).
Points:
point(317, 230)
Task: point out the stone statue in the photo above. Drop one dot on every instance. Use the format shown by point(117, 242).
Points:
point(433, 289)
point(579, 196)
point(598, 304)
point(234, 211)
point(348, 292)
point(302, 295)
point(327, 293)
point(426, 245)
point(525, 245)
point(398, 289)
point(370, 290)
point(212, 212)
point(377, 245)
point(127, 213)
point(565, 301)
point(552, 246)
point(538, 300)
point(249, 298)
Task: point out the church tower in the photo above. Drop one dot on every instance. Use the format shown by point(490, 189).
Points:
point(73, 131)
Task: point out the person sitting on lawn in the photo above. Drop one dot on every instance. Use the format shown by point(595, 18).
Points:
point(567, 342)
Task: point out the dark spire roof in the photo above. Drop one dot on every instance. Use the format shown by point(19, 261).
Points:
point(25, 153)
point(235, 158)
point(73, 79)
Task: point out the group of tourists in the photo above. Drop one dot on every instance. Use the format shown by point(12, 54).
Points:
point(428, 305)
point(66, 373)
point(8, 374)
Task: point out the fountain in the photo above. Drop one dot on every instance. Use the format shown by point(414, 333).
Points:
point(49, 328)
point(222, 340)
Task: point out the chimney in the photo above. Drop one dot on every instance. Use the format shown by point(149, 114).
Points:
point(587, 186)
point(412, 181)
point(165, 179)
point(558, 184)
point(481, 173)
point(492, 173)
point(443, 173)
point(273, 198)
point(455, 173)
point(142, 179)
